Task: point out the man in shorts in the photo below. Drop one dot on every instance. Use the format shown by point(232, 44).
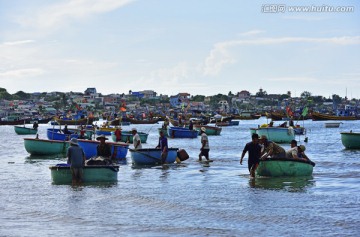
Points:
point(254, 150)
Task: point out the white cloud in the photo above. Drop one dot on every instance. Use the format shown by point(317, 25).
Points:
point(293, 79)
point(56, 15)
point(220, 54)
point(252, 32)
point(16, 43)
point(21, 73)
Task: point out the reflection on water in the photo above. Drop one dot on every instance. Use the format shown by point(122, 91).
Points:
point(290, 184)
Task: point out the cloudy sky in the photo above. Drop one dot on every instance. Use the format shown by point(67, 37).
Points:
point(201, 47)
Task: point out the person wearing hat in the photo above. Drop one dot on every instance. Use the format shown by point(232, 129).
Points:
point(118, 134)
point(295, 151)
point(163, 145)
point(254, 150)
point(136, 139)
point(103, 149)
point(205, 148)
point(271, 149)
point(76, 159)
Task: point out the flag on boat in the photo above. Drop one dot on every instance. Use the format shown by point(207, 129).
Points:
point(305, 111)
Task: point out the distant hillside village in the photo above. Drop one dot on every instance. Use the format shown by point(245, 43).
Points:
point(40, 104)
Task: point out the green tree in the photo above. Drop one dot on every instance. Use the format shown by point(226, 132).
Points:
point(305, 94)
point(198, 98)
point(22, 95)
point(261, 93)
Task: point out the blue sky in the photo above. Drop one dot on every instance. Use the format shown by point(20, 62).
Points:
point(201, 47)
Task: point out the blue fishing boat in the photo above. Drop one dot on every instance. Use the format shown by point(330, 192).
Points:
point(45, 147)
point(179, 132)
point(57, 134)
point(61, 173)
point(151, 156)
point(22, 130)
point(127, 136)
point(118, 150)
point(276, 134)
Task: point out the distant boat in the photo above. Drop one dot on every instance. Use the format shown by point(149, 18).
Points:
point(56, 134)
point(319, 116)
point(118, 150)
point(105, 131)
point(127, 136)
point(22, 130)
point(179, 132)
point(83, 121)
point(278, 167)
point(61, 173)
point(210, 130)
point(45, 147)
point(275, 134)
point(332, 125)
point(151, 156)
point(350, 140)
point(143, 121)
point(14, 122)
point(246, 116)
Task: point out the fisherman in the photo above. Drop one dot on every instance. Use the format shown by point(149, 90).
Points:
point(204, 150)
point(163, 145)
point(271, 149)
point(136, 139)
point(254, 150)
point(103, 149)
point(76, 159)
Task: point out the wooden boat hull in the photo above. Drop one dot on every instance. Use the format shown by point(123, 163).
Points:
point(54, 134)
point(210, 130)
point(45, 147)
point(145, 121)
point(61, 174)
point(319, 116)
point(276, 134)
point(84, 121)
point(284, 167)
point(118, 150)
point(151, 156)
point(16, 122)
point(178, 132)
point(126, 136)
point(21, 130)
point(350, 140)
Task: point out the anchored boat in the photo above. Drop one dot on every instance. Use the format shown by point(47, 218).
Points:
point(152, 156)
point(277, 167)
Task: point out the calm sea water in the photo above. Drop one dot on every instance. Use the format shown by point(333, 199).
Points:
point(188, 199)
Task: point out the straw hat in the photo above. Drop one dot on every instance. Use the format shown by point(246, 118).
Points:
point(74, 141)
point(203, 129)
point(302, 147)
point(134, 129)
point(101, 137)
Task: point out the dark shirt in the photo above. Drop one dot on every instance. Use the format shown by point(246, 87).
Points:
point(162, 143)
point(254, 150)
point(104, 150)
point(191, 126)
point(75, 156)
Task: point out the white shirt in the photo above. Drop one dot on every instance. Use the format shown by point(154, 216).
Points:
point(204, 137)
point(136, 138)
point(292, 152)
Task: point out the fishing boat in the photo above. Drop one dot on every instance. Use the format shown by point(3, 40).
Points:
point(276, 134)
point(61, 173)
point(56, 134)
point(210, 130)
point(332, 125)
point(81, 121)
point(105, 131)
point(350, 140)
point(319, 116)
point(45, 147)
point(143, 121)
point(151, 156)
point(179, 132)
point(127, 136)
point(246, 115)
point(118, 150)
point(277, 167)
point(22, 130)
point(120, 122)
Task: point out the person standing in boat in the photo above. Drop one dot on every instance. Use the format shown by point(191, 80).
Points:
point(35, 125)
point(103, 149)
point(254, 150)
point(66, 130)
point(191, 125)
point(136, 139)
point(163, 145)
point(271, 149)
point(118, 134)
point(205, 148)
point(76, 159)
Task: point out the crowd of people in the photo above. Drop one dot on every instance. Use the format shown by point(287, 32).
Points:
point(260, 148)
